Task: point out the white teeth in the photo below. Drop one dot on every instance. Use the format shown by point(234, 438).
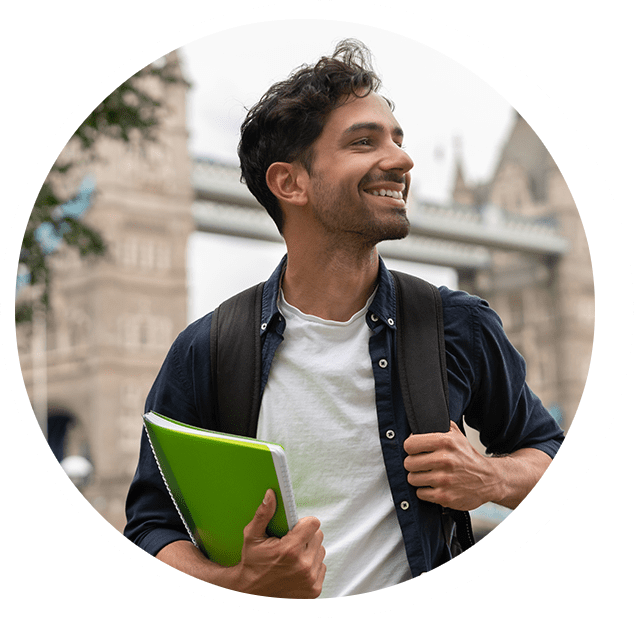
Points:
point(387, 192)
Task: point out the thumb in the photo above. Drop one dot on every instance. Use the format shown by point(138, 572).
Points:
point(263, 515)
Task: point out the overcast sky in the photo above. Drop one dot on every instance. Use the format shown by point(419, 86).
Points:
point(440, 105)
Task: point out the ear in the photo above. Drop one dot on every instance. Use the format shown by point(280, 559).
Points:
point(287, 182)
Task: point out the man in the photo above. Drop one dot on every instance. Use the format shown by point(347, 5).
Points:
point(323, 152)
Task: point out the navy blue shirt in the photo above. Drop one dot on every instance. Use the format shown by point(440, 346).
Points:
point(487, 389)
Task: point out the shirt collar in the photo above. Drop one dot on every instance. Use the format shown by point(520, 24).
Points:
point(270, 313)
point(381, 311)
point(383, 306)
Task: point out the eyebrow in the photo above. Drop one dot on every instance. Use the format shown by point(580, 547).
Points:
point(372, 126)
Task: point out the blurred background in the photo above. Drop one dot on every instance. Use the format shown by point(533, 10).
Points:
point(143, 226)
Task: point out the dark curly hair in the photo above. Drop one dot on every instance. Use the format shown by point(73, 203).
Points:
point(288, 119)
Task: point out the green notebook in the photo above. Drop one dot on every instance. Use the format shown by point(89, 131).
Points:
point(217, 481)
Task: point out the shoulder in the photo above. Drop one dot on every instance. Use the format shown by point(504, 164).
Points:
point(459, 299)
point(197, 327)
point(473, 329)
point(181, 388)
point(463, 310)
point(195, 333)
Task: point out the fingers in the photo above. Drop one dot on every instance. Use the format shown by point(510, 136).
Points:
point(422, 443)
point(430, 494)
point(306, 539)
point(263, 515)
point(421, 479)
point(427, 442)
point(421, 462)
point(413, 443)
point(305, 530)
point(315, 546)
point(315, 553)
point(319, 581)
point(290, 566)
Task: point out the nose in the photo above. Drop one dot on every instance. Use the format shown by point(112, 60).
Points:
point(397, 159)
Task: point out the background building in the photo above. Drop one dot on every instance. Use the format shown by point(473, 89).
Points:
point(112, 319)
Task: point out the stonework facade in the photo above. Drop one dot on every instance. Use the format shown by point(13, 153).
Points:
point(113, 319)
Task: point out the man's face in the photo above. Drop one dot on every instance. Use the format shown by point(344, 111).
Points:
point(359, 176)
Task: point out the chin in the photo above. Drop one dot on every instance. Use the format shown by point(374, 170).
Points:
point(396, 235)
point(397, 230)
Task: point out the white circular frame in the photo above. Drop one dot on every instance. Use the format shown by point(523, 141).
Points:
point(613, 289)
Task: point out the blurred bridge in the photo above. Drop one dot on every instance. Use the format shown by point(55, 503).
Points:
point(452, 235)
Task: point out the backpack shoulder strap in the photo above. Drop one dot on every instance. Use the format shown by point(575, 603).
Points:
point(422, 368)
point(420, 346)
point(236, 363)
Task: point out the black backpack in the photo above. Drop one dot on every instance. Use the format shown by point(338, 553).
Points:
point(236, 359)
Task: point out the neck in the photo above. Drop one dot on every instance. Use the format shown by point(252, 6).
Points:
point(333, 285)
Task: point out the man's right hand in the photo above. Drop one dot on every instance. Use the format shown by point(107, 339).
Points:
point(291, 566)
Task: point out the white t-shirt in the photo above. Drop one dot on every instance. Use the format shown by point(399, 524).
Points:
point(319, 404)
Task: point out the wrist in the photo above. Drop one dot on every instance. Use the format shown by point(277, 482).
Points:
point(517, 473)
point(228, 577)
point(186, 557)
point(498, 490)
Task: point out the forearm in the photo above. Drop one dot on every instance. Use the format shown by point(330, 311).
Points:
point(515, 475)
point(186, 557)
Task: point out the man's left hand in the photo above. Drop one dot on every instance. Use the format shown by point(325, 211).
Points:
point(448, 471)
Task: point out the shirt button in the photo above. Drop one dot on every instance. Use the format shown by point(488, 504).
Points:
point(263, 327)
point(390, 321)
point(405, 505)
point(390, 434)
point(374, 318)
point(383, 363)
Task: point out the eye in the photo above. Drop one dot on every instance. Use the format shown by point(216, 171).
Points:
point(364, 141)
